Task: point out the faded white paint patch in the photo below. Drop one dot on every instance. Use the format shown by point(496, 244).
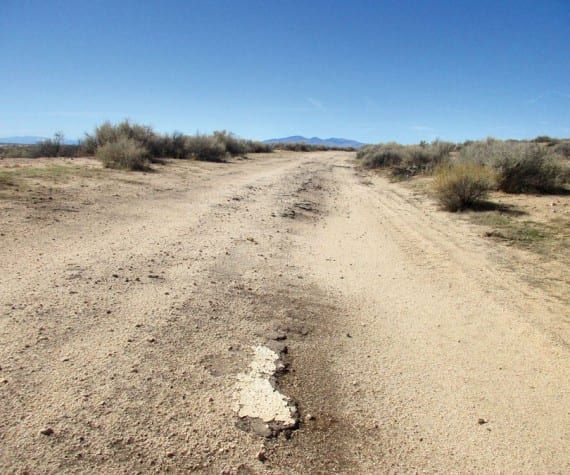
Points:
point(257, 398)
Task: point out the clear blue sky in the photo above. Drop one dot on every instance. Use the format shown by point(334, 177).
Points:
point(370, 70)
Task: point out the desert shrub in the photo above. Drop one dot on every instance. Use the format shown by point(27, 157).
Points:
point(206, 148)
point(174, 146)
point(441, 151)
point(143, 135)
point(123, 153)
point(460, 185)
point(233, 145)
point(545, 139)
point(406, 160)
point(563, 149)
point(521, 167)
point(383, 155)
point(254, 146)
point(533, 170)
point(19, 151)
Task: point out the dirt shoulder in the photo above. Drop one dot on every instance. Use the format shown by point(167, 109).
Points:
point(130, 304)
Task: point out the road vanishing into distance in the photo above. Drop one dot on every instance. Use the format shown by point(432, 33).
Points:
point(132, 311)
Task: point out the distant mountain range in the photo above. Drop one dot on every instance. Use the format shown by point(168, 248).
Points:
point(331, 142)
point(30, 140)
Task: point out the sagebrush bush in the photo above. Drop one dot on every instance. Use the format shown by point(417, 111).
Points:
point(143, 135)
point(521, 167)
point(206, 148)
point(123, 153)
point(253, 146)
point(563, 149)
point(213, 147)
point(233, 145)
point(460, 185)
point(382, 155)
point(406, 160)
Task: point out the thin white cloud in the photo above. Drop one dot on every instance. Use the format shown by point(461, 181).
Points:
point(316, 103)
point(546, 94)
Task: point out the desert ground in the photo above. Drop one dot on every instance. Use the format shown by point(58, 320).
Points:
point(412, 340)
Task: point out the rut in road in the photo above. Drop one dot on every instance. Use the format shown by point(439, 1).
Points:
point(409, 347)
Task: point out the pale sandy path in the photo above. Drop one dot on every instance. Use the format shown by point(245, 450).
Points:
point(404, 329)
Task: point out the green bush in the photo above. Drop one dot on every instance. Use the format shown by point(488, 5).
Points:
point(461, 185)
point(123, 153)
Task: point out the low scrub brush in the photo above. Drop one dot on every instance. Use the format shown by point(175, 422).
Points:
point(461, 185)
point(520, 167)
point(124, 153)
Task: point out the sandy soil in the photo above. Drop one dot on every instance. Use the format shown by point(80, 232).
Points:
point(130, 303)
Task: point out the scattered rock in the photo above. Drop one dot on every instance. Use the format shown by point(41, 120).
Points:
point(279, 347)
point(289, 213)
point(260, 428)
point(47, 431)
point(262, 456)
point(482, 421)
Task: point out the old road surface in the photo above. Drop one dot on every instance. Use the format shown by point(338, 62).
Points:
point(129, 330)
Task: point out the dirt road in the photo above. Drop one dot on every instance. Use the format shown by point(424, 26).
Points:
point(129, 308)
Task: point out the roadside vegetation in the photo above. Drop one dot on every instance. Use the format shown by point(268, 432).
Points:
point(305, 147)
point(405, 161)
point(517, 190)
point(465, 173)
point(131, 146)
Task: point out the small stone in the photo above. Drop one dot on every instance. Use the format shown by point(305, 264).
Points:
point(262, 456)
point(310, 417)
point(47, 431)
point(482, 421)
point(260, 428)
point(170, 454)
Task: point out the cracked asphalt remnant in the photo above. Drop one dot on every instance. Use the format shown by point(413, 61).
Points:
point(257, 398)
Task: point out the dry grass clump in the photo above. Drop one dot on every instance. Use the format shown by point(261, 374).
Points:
point(461, 185)
point(123, 153)
point(562, 149)
point(521, 167)
point(406, 160)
